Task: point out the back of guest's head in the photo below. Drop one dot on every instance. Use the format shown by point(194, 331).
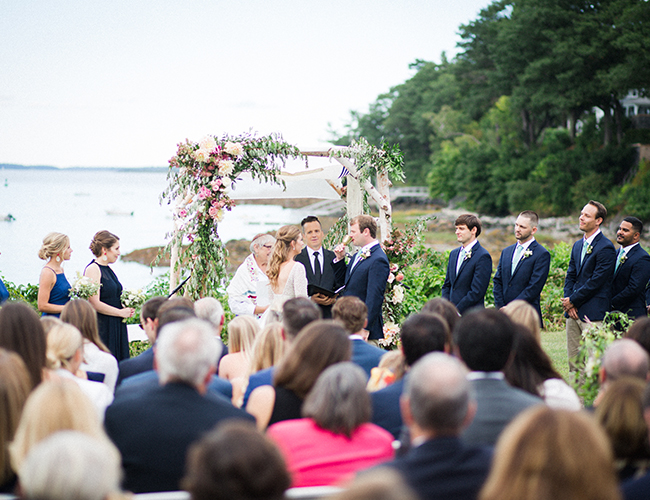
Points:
point(640, 332)
point(521, 312)
point(151, 307)
point(558, 454)
point(422, 334)
point(485, 340)
point(469, 220)
point(530, 366)
point(444, 308)
point(70, 465)
point(269, 347)
point(173, 310)
point(625, 358)
point(242, 331)
point(102, 240)
point(210, 310)
point(339, 402)
point(352, 312)
point(319, 345)
point(366, 222)
point(63, 342)
point(381, 483)
point(297, 313)
point(53, 244)
point(53, 406)
point(49, 322)
point(235, 462)
point(439, 394)
point(14, 389)
point(620, 412)
point(186, 352)
point(22, 332)
point(80, 314)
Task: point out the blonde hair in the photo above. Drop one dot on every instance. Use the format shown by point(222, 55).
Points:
point(53, 244)
point(268, 348)
point(558, 454)
point(63, 341)
point(242, 331)
point(280, 252)
point(522, 313)
point(53, 406)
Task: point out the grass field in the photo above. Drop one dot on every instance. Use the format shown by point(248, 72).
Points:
point(554, 343)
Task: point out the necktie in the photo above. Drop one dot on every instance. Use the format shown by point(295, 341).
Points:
point(461, 258)
point(584, 251)
point(317, 271)
point(515, 258)
point(618, 258)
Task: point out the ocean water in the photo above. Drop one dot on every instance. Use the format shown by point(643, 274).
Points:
point(80, 202)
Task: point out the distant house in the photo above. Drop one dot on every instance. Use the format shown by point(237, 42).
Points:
point(637, 109)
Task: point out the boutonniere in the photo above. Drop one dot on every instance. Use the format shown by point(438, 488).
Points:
point(527, 253)
point(365, 254)
point(589, 249)
point(622, 258)
point(468, 254)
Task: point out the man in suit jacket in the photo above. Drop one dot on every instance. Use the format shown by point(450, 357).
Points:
point(631, 271)
point(367, 272)
point(484, 340)
point(153, 432)
point(319, 264)
point(523, 267)
point(587, 285)
point(469, 268)
point(436, 406)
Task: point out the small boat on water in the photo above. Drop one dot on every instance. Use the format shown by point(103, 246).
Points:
point(123, 213)
point(7, 217)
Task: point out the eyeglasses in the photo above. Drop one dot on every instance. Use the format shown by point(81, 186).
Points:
point(268, 246)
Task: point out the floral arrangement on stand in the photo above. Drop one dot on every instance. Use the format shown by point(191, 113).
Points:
point(83, 288)
point(201, 178)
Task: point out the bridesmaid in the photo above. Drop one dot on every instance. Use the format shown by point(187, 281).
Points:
point(53, 287)
point(105, 246)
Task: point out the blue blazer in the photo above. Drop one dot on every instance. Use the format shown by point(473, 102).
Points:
point(630, 279)
point(588, 286)
point(367, 280)
point(332, 278)
point(467, 290)
point(385, 407)
point(365, 355)
point(528, 280)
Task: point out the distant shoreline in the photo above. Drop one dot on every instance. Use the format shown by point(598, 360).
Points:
point(15, 166)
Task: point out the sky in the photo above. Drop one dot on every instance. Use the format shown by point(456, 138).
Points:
point(120, 83)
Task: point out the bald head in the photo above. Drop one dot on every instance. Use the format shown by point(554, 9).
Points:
point(625, 358)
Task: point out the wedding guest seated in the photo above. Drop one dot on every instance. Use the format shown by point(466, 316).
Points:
point(390, 369)
point(210, 309)
point(639, 489)
point(622, 358)
point(377, 484)
point(335, 439)
point(640, 332)
point(532, 371)
point(522, 313)
point(235, 461)
point(241, 336)
point(352, 313)
point(70, 465)
point(154, 431)
point(319, 345)
point(553, 454)
point(22, 332)
point(620, 412)
point(96, 356)
point(444, 308)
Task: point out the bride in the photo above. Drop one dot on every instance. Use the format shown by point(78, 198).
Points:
point(287, 278)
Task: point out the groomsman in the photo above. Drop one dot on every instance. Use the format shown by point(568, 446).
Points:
point(319, 264)
point(469, 267)
point(523, 267)
point(587, 286)
point(631, 271)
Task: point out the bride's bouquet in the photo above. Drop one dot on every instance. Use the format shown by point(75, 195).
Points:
point(83, 288)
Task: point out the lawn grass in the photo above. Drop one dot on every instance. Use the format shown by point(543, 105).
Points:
point(554, 343)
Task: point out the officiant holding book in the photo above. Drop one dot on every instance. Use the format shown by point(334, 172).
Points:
point(322, 271)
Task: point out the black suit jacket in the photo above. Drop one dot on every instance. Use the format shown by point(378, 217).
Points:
point(153, 432)
point(630, 279)
point(333, 275)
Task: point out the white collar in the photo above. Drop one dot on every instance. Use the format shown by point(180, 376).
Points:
point(469, 247)
point(485, 375)
point(591, 238)
point(527, 244)
point(312, 252)
point(369, 245)
point(629, 247)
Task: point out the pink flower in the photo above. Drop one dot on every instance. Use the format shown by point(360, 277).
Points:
point(394, 267)
point(182, 213)
point(215, 185)
point(204, 193)
point(399, 277)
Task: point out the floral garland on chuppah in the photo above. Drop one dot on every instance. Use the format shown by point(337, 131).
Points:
point(201, 177)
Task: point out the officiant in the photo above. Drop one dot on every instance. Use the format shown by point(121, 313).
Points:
point(322, 272)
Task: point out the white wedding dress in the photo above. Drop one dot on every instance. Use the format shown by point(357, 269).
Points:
point(296, 286)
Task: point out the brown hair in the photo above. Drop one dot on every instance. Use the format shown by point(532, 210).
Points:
point(444, 308)
point(80, 314)
point(53, 244)
point(601, 211)
point(469, 220)
point(640, 332)
point(319, 345)
point(558, 454)
point(531, 216)
point(365, 222)
point(280, 252)
point(22, 332)
point(101, 240)
point(352, 312)
point(14, 389)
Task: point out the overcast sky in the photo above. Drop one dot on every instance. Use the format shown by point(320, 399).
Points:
point(121, 82)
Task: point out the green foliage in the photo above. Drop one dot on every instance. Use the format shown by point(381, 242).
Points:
point(553, 292)
point(636, 195)
point(25, 293)
point(137, 347)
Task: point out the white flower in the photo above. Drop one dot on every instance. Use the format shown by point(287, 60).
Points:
point(83, 288)
point(226, 183)
point(201, 155)
point(527, 253)
point(208, 143)
point(226, 167)
point(398, 294)
point(233, 148)
point(391, 277)
point(468, 254)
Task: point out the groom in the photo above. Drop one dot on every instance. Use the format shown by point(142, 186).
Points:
point(367, 272)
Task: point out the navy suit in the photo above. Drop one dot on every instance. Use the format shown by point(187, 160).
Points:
point(385, 407)
point(367, 280)
point(332, 277)
point(154, 432)
point(143, 362)
point(445, 468)
point(136, 385)
point(588, 285)
point(467, 289)
point(630, 279)
point(365, 355)
point(528, 280)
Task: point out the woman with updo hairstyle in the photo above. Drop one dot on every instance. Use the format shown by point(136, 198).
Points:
point(64, 357)
point(96, 356)
point(53, 286)
point(105, 246)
